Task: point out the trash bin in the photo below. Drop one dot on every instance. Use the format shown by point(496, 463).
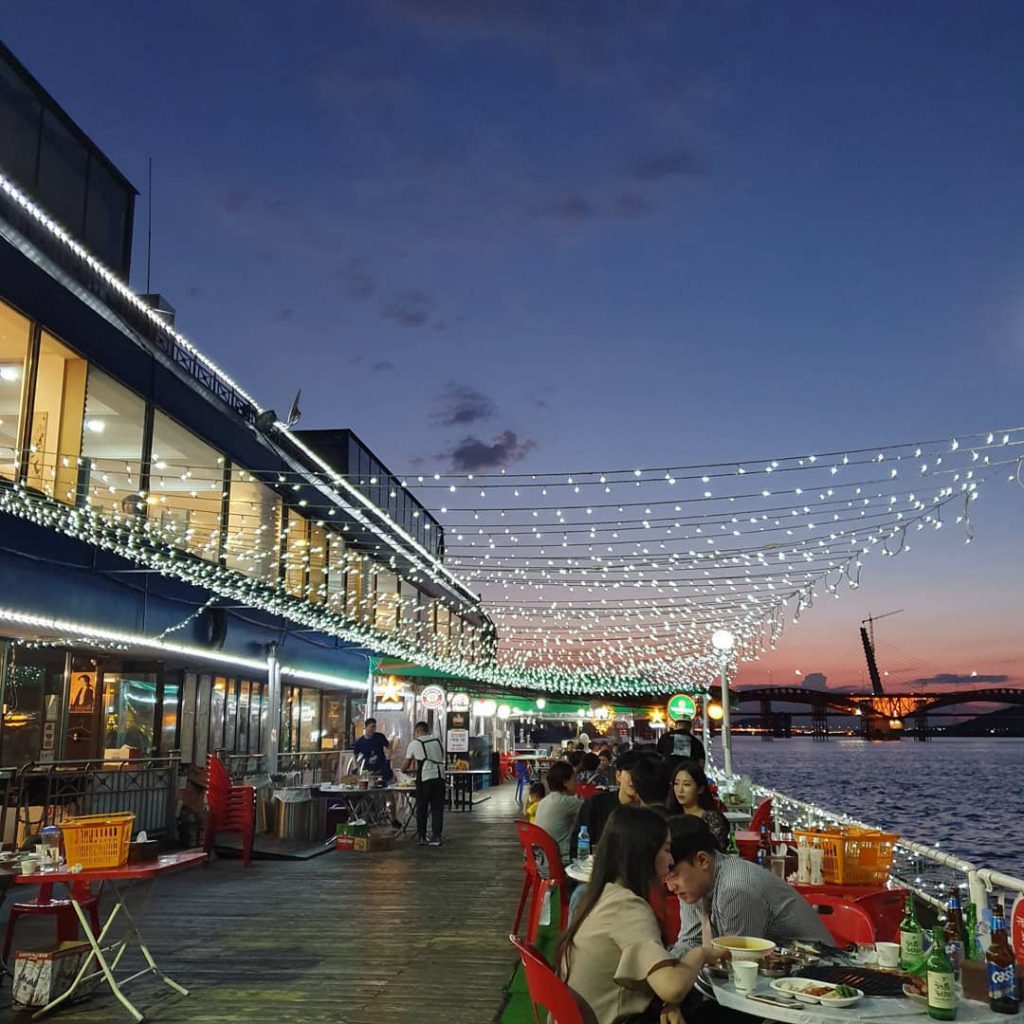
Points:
point(292, 813)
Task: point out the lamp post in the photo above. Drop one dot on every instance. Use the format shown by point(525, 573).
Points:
point(722, 641)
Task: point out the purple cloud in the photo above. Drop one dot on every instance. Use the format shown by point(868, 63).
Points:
point(471, 455)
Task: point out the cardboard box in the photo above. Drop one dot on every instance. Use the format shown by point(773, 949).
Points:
point(347, 836)
point(42, 975)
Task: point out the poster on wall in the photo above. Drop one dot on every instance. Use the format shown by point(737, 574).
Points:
point(458, 741)
point(82, 699)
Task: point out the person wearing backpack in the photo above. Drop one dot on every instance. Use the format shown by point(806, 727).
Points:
point(425, 754)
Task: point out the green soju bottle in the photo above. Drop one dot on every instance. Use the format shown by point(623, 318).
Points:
point(941, 986)
point(911, 937)
point(730, 846)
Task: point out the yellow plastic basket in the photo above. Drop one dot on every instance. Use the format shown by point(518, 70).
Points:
point(97, 840)
point(853, 856)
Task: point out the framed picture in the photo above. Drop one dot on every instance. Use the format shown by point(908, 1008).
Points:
point(82, 699)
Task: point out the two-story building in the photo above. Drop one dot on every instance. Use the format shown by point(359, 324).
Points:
point(179, 570)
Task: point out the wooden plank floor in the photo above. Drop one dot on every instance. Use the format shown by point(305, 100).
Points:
point(418, 935)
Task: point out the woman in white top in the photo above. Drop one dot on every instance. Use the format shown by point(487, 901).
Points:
point(612, 956)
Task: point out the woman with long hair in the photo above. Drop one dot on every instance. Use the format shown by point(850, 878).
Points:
point(612, 954)
point(690, 794)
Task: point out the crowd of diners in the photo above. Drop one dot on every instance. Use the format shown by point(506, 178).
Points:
point(661, 884)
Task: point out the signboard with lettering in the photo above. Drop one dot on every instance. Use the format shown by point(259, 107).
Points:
point(460, 702)
point(682, 705)
point(458, 741)
point(389, 695)
point(432, 697)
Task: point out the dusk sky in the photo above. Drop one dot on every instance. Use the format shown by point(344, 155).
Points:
point(565, 236)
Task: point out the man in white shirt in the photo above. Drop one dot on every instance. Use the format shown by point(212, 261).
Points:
point(425, 756)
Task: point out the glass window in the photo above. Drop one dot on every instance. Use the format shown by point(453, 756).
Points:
point(129, 704)
point(32, 694)
point(217, 702)
point(188, 717)
point(230, 716)
point(202, 741)
point(317, 563)
point(296, 554)
point(255, 717)
point(19, 128)
point(386, 589)
point(332, 711)
point(55, 429)
point(355, 607)
point(336, 573)
point(186, 489)
point(309, 721)
point(408, 612)
point(253, 542)
point(443, 628)
point(169, 717)
point(112, 445)
point(106, 216)
point(61, 179)
point(244, 722)
point(15, 331)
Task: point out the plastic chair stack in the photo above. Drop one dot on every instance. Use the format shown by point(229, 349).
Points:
point(535, 886)
point(231, 808)
point(61, 909)
point(546, 988)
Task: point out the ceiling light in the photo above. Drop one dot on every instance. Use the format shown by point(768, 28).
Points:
point(10, 373)
point(95, 426)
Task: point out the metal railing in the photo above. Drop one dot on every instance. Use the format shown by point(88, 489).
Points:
point(926, 870)
point(310, 766)
point(38, 794)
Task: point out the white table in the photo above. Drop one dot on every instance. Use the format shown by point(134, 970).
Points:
point(870, 1008)
point(579, 870)
point(738, 817)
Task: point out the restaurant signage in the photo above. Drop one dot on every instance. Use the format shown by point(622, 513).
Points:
point(460, 702)
point(682, 705)
point(389, 694)
point(432, 697)
point(458, 732)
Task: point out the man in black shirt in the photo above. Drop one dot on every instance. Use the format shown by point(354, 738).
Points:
point(681, 743)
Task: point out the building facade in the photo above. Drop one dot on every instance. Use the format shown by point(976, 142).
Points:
point(179, 571)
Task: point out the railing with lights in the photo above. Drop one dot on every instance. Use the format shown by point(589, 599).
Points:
point(926, 870)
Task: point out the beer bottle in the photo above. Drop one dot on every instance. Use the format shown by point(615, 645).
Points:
point(764, 848)
point(941, 984)
point(911, 936)
point(953, 932)
point(1002, 969)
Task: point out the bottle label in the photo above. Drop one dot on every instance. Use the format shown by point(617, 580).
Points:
point(911, 946)
point(955, 954)
point(1002, 981)
point(941, 991)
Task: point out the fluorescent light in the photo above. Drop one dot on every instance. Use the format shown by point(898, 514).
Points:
point(10, 373)
point(95, 426)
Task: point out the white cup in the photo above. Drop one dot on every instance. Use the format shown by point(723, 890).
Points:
point(29, 866)
point(888, 954)
point(744, 974)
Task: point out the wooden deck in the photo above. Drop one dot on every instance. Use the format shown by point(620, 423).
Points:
point(418, 935)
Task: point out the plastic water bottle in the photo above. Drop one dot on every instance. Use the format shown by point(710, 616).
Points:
point(583, 843)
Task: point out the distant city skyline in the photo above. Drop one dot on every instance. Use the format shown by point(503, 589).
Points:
point(595, 235)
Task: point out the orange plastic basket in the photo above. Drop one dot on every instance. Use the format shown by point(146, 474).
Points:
point(97, 840)
point(853, 856)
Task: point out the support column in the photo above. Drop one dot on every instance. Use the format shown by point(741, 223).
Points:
point(820, 721)
point(766, 720)
point(272, 735)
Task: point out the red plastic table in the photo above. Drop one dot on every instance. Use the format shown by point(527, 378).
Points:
point(108, 954)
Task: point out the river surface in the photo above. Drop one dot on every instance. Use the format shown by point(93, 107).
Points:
point(965, 794)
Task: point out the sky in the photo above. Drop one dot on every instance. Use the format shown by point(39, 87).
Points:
point(591, 235)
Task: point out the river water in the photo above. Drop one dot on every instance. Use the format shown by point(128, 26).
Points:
point(965, 794)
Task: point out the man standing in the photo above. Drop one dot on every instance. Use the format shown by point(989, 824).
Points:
point(371, 753)
point(682, 743)
point(426, 754)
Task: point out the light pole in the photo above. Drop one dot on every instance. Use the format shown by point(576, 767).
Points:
point(722, 641)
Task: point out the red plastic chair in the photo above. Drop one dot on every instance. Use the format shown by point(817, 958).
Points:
point(535, 885)
point(231, 809)
point(847, 923)
point(585, 790)
point(546, 988)
point(762, 816)
point(45, 905)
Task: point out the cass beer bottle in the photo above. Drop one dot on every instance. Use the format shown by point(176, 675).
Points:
point(911, 937)
point(941, 984)
point(1002, 969)
point(953, 932)
point(764, 848)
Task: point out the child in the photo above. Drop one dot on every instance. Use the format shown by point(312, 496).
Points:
point(535, 796)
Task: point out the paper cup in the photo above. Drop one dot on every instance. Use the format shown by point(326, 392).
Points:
point(744, 974)
point(888, 954)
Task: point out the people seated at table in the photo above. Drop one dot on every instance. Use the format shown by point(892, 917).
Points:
point(589, 771)
point(650, 780)
point(558, 811)
point(689, 793)
point(605, 762)
point(612, 955)
point(722, 895)
point(575, 758)
point(533, 798)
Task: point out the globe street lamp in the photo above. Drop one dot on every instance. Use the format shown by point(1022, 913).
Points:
point(723, 641)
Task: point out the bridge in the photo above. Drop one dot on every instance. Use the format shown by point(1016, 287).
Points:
point(882, 715)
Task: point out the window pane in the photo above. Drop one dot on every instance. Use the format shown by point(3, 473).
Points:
point(217, 713)
point(106, 217)
point(14, 339)
point(55, 429)
point(255, 717)
point(169, 718)
point(61, 182)
point(336, 573)
point(295, 555)
point(309, 724)
point(244, 722)
point(317, 563)
point(19, 129)
point(387, 600)
point(253, 542)
point(332, 735)
point(354, 605)
point(130, 709)
point(186, 485)
point(112, 445)
point(31, 696)
point(230, 716)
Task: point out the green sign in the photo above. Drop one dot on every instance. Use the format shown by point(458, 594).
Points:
point(682, 705)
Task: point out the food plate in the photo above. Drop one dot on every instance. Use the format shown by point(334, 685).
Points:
point(807, 990)
point(914, 996)
point(744, 947)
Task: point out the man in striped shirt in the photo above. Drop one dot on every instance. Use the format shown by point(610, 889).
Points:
point(723, 895)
